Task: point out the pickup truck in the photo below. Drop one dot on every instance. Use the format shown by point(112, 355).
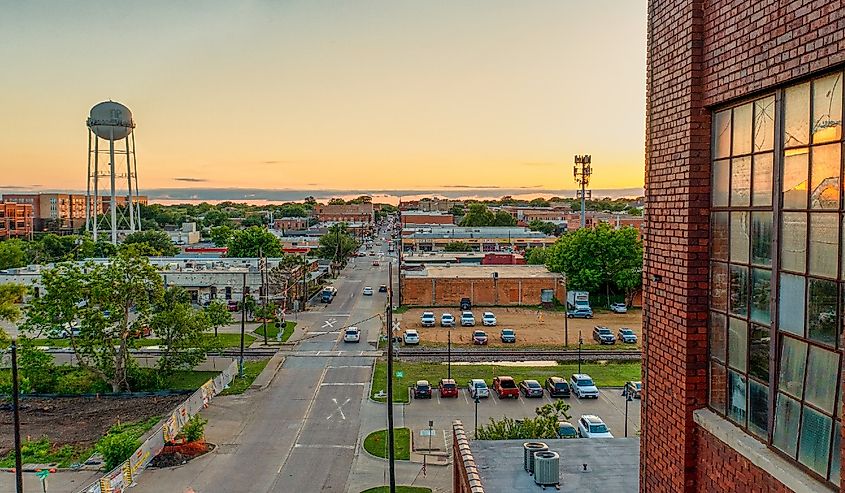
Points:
point(328, 294)
point(504, 386)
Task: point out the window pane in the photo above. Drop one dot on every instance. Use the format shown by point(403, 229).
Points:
point(814, 451)
point(741, 182)
point(794, 241)
point(785, 436)
point(758, 404)
point(717, 387)
point(763, 174)
point(822, 372)
point(836, 453)
point(797, 118)
point(722, 134)
point(793, 357)
point(740, 236)
point(719, 286)
point(721, 183)
point(719, 232)
point(795, 175)
point(718, 329)
point(791, 304)
point(761, 296)
point(739, 290)
point(827, 108)
point(825, 187)
point(738, 401)
point(824, 244)
point(742, 129)
point(758, 363)
point(764, 124)
point(737, 343)
point(761, 238)
point(821, 311)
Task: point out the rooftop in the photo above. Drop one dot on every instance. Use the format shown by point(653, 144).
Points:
point(612, 465)
point(482, 271)
point(467, 232)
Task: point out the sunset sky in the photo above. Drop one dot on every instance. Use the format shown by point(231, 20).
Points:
point(318, 94)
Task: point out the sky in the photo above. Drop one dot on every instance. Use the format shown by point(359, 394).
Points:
point(319, 94)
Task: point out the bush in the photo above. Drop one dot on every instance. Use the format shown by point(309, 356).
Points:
point(194, 429)
point(6, 384)
point(79, 381)
point(144, 379)
point(37, 367)
point(117, 447)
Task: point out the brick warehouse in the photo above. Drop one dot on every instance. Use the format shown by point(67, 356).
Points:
point(743, 269)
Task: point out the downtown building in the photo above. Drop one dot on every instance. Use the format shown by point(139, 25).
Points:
point(744, 268)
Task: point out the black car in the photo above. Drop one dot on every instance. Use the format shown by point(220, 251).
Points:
point(603, 335)
point(466, 304)
point(557, 387)
point(382, 288)
point(422, 390)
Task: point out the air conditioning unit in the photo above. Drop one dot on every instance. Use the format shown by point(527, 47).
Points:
point(528, 450)
point(547, 468)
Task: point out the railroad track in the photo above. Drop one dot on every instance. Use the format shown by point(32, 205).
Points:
point(520, 354)
point(254, 353)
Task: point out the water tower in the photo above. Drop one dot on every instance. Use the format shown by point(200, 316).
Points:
point(112, 122)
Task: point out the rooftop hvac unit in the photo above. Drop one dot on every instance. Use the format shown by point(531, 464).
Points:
point(528, 450)
point(546, 468)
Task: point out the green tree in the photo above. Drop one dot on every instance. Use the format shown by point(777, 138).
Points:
point(220, 235)
point(539, 202)
point(478, 215)
point(502, 218)
point(108, 302)
point(543, 425)
point(10, 296)
point(181, 329)
point(36, 366)
point(254, 220)
point(13, 253)
point(542, 226)
point(337, 243)
point(218, 315)
point(292, 210)
point(458, 246)
point(216, 218)
point(456, 210)
point(247, 243)
point(535, 256)
point(337, 202)
point(154, 243)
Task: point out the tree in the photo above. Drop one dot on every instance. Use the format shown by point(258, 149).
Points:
point(478, 215)
point(181, 329)
point(220, 235)
point(542, 226)
point(216, 218)
point(337, 202)
point(503, 218)
point(457, 210)
point(157, 243)
point(544, 425)
point(458, 246)
point(539, 202)
point(254, 220)
point(13, 253)
point(535, 256)
point(107, 302)
point(337, 243)
point(10, 296)
point(292, 210)
point(252, 241)
point(218, 315)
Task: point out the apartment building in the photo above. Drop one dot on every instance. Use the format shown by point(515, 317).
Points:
point(15, 220)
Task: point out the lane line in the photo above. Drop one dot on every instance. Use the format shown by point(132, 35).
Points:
point(301, 427)
point(341, 384)
point(315, 445)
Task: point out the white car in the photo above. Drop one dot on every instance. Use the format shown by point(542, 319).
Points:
point(619, 308)
point(428, 320)
point(411, 337)
point(488, 319)
point(368, 291)
point(467, 319)
point(591, 426)
point(447, 320)
point(352, 334)
point(583, 386)
point(478, 387)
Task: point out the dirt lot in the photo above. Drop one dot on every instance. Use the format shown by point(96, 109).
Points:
point(78, 421)
point(533, 327)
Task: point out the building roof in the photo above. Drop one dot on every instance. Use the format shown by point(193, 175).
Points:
point(458, 232)
point(612, 465)
point(425, 213)
point(482, 271)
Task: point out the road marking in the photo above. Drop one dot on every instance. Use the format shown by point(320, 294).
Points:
point(339, 408)
point(340, 384)
point(329, 324)
point(302, 425)
point(314, 445)
point(322, 333)
point(349, 366)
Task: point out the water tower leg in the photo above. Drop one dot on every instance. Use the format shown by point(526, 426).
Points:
point(96, 186)
point(113, 196)
point(88, 188)
point(129, 197)
point(135, 165)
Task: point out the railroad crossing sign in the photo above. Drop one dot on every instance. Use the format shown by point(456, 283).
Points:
point(400, 374)
point(396, 326)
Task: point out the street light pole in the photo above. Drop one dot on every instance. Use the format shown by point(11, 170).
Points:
point(243, 327)
point(390, 454)
point(477, 400)
point(16, 408)
point(449, 355)
point(628, 399)
point(263, 265)
point(566, 330)
point(580, 342)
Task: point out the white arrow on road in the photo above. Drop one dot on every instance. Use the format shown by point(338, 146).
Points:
point(339, 408)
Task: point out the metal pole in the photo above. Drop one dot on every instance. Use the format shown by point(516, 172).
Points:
point(243, 326)
point(627, 400)
point(96, 206)
point(263, 262)
point(113, 192)
point(399, 274)
point(135, 166)
point(583, 201)
point(129, 184)
point(477, 400)
point(566, 329)
point(16, 408)
point(580, 342)
point(390, 444)
point(449, 355)
point(88, 187)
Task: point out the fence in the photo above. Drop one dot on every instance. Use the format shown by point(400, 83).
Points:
point(122, 477)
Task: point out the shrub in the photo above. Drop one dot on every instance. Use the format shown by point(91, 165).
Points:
point(37, 367)
point(144, 379)
point(6, 384)
point(116, 448)
point(194, 429)
point(79, 381)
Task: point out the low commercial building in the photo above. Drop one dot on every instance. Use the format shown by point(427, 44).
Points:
point(291, 223)
point(53, 211)
point(428, 205)
point(499, 285)
point(484, 239)
point(186, 235)
point(441, 258)
point(348, 213)
point(15, 220)
point(412, 218)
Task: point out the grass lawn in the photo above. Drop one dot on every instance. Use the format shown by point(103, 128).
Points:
point(187, 379)
point(273, 331)
point(605, 375)
point(226, 341)
point(251, 370)
point(399, 489)
point(574, 347)
point(376, 443)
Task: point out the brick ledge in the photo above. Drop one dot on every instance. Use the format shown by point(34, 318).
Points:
point(757, 453)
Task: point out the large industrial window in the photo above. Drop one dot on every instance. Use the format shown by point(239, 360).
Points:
point(776, 270)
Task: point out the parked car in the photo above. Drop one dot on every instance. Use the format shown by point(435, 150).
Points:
point(591, 426)
point(352, 334)
point(488, 319)
point(565, 429)
point(603, 335)
point(479, 337)
point(467, 319)
point(580, 313)
point(382, 288)
point(422, 390)
point(531, 388)
point(138, 333)
point(368, 291)
point(627, 335)
point(448, 387)
point(505, 386)
point(508, 336)
point(447, 320)
point(232, 305)
point(634, 389)
point(375, 263)
point(557, 387)
point(411, 337)
point(466, 304)
point(619, 308)
point(428, 320)
point(478, 388)
point(582, 386)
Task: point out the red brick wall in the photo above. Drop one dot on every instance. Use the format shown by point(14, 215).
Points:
point(448, 292)
point(721, 469)
point(427, 219)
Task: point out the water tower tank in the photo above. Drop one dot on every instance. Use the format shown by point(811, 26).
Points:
point(111, 121)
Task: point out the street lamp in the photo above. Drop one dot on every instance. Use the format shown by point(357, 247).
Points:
point(580, 343)
point(449, 355)
point(16, 408)
point(628, 398)
point(477, 400)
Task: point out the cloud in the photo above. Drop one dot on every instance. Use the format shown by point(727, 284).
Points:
point(539, 164)
point(278, 162)
point(18, 187)
point(471, 186)
point(191, 180)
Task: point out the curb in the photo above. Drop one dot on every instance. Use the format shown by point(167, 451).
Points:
point(268, 373)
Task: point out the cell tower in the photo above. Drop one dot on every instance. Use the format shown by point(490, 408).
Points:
point(111, 122)
point(582, 171)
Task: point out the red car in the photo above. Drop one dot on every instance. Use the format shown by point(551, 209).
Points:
point(448, 388)
point(479, 338)
point(505, 387)
point(232, 306)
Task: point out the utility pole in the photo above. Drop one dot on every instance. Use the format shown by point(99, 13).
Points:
point(16, 408)
point(262, 263)
point(243, 327)
point(449, 355)
point(582, 171)
point(390, 455)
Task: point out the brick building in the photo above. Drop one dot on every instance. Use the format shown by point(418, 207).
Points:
point(291, 223)
point(421, 217)
point(15, 220)
point(743, 270)
point(62, 211)
point(348, 213)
